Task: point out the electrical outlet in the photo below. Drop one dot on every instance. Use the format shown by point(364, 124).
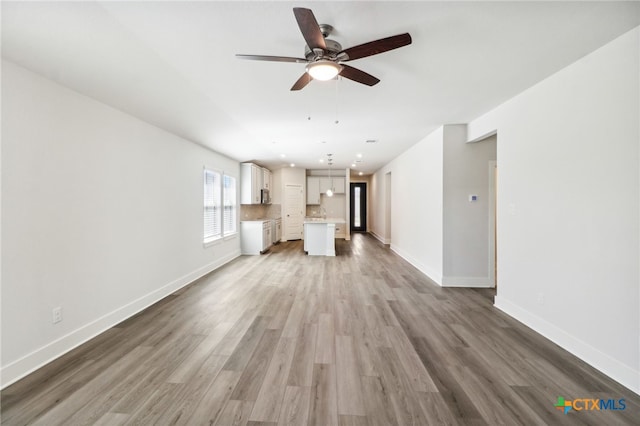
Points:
point(57, 314)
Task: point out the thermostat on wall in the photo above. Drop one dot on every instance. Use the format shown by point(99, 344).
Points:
point(473, 198)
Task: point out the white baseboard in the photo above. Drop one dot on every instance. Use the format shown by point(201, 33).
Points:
point(18, 369)
point(623, 374)
point(473, 282)
point(433, 275)
point(377, 237)
point(380, 238)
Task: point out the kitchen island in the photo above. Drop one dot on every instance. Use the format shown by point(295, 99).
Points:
point(319, 236)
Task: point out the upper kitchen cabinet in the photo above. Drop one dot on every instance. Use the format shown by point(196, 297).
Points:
point(253, 180)
point(339, 185)
point(313, 190)
point(335, 183)
point(317, 185)
point(267, 179)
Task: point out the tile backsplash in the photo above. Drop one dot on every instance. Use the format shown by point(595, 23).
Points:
point(260, 211)
point(331, 206)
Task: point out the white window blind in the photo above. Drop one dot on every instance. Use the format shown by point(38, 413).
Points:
point(229, 222)
point(212, 216)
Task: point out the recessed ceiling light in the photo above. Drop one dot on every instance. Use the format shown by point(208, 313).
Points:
point(359, 155)
point(360, 174)
point(282, 155)
point(353, 165)
point(321, 160)
point(292, 165)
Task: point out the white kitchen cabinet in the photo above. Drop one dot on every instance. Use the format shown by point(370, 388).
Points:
point(338, 185)
point(324, 184)
point(276, 230)
point(251, 183)
point(266, 235)
point(313, 190)
point(267, 179)
point(335, 183)
point(255, 236)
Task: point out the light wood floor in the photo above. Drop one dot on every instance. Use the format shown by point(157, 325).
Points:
point(288, 339)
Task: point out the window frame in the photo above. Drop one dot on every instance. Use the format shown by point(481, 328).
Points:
point(228, 234)
point(217, 198)
point(211, 239)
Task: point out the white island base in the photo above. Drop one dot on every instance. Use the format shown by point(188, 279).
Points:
point(320, 238)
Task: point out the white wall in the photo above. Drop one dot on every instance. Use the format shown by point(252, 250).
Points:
point(276, 197)
point(466, 224)
point(416, 204)
point(377, 213)
point(568, 207)
point(101, 215)
point(293, 176)
point(434, 226)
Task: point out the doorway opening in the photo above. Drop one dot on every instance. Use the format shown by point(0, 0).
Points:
point(358, 207)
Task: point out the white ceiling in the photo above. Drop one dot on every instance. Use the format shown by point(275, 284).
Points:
point(173, 64)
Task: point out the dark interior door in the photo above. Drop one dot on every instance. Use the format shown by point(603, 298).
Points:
point(358, 196)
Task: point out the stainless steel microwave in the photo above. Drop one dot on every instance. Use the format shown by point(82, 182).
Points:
point(265, 197)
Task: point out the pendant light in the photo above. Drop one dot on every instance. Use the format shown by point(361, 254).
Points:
point(329, 192)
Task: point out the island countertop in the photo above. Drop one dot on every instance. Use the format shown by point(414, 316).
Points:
point(324, 220)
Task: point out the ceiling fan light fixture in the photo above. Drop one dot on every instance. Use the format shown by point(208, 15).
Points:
point(323, 70)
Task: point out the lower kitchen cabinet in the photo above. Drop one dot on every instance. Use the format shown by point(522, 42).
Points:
point(276, 230)
point(255, 236)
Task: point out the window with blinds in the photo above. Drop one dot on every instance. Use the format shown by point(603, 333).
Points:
point(229, 221)
point(220, 206)
point(212, 213)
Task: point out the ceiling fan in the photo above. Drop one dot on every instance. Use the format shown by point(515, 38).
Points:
point(325, 58)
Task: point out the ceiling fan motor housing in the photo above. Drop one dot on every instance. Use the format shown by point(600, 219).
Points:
point(333, 48)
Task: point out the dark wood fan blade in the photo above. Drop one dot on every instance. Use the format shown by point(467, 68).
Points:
point(377, 46)
point(309, 28)
point(273, 58)
point(360, 76)
point(302, 81)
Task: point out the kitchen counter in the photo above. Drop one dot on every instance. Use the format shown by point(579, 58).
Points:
point(335, 220)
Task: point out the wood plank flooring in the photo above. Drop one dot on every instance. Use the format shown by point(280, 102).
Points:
point(287, 339)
